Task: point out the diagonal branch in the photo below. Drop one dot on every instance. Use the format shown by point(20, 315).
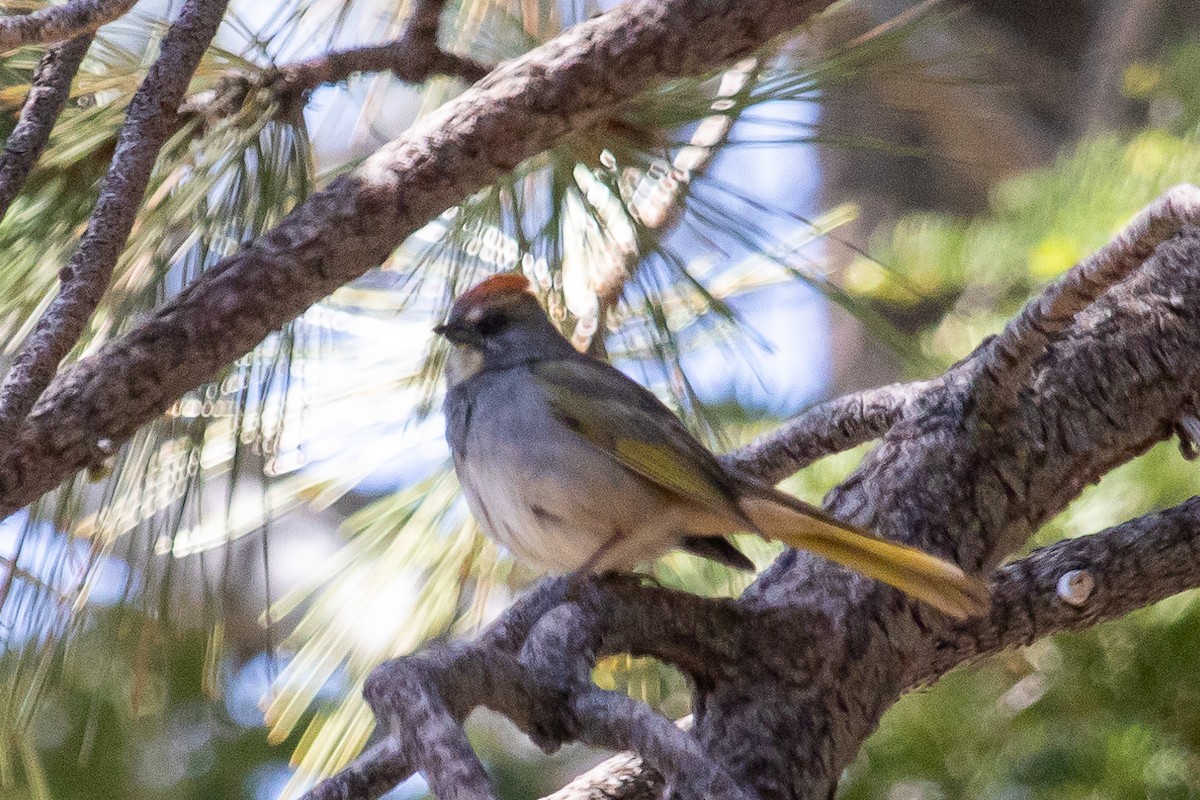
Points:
point(521, 108)
point(656, 205)
point(56, 23)
point(373, 774)
point(149, 124)
point(1011, 355)
point(48, 95)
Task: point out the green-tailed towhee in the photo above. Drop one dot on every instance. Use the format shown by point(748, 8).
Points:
point(573, 466)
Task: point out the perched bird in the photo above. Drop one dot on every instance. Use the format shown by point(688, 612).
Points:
point(573, 466)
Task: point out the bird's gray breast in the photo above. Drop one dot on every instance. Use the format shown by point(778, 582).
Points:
point(535, 486)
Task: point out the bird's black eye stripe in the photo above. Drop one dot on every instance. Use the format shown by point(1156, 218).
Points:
point(493, 322)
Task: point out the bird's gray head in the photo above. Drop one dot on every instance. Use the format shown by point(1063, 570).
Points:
point(496, 324)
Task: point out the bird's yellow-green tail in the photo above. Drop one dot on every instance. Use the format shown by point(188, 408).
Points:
point(781, 517)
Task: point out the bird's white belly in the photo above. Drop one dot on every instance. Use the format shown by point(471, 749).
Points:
point(557, 516)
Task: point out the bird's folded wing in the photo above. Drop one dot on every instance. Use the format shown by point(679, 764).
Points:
point(629, 423)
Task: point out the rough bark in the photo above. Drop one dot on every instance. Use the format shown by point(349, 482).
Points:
point(48, 94)
point(791, 677)
point(56, 23)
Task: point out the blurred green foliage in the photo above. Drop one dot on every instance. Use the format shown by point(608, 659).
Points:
point(127, 718)
point(1109, 713)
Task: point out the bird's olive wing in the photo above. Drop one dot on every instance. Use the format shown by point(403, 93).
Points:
point(629, 423)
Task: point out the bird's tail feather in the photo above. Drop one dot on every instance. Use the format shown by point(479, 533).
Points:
point(941, 584)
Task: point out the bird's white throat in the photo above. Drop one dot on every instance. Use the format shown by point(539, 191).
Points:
point(463, 364)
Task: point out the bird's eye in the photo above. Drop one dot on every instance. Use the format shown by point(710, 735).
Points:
point(493, 322)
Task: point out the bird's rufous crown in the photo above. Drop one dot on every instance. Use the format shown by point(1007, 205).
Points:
point(488, 290)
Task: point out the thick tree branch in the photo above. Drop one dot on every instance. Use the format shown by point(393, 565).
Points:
point(520, 109)
point(48, 94)
point(1008, 361)
point(1077, 583)
point(1109, 386)
point(56, 23)
point(148, 125)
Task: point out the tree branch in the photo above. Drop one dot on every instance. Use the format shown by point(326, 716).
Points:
point(520, 109)
point(833, 426)
point(1024, 339)
point(414, 57)
point(792, 676)
point(148, 125)
point(534, 666)
point(56, 23)
point(48, 95)
point(371, 775)
point(623, 777)
point(1077, 583)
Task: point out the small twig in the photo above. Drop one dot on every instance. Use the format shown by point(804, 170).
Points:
point(148, 125)
point(56, 23)
point(414, 58)
point(405, 58)
point(48, 95)
point(1108, 574)
point(1010, 356)
point(623, 777)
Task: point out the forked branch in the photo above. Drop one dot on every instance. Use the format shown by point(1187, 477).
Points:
point(534, 666)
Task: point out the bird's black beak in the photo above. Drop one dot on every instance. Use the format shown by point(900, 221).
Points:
point(457, 334)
